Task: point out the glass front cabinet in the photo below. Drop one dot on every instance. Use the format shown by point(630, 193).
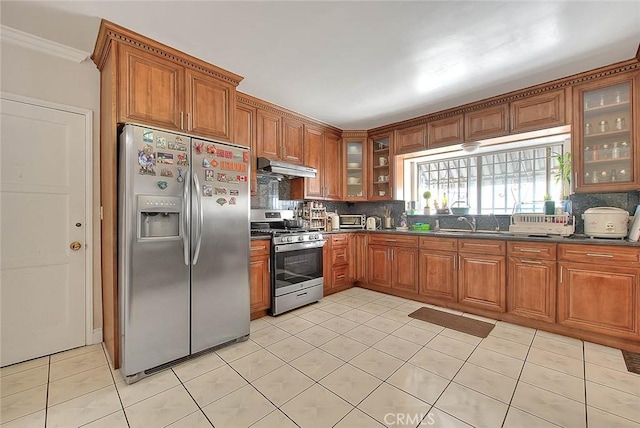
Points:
point(381, 168)
point(355, 163)
point(605, 133)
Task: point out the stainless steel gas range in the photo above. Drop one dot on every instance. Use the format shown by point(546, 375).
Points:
point(296, 260)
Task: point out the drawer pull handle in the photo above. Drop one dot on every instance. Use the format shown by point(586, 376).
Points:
point(609, 256)
point(340, 276)
point(529, 250)
point(533, 262)
point(258, 248)
point(390, 240)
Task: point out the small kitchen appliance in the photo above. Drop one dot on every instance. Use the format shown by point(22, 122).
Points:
point(353, 221)
point(374, 223)
point(605, 222)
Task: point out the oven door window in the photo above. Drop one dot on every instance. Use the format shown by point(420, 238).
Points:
point(294, 267)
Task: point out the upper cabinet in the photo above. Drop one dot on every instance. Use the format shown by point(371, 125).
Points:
point(410, 139)
point(245, 135)
point(279, 138)
point(323, 152)
point(445, 132)
point(488, 122)
point(604, 142)
point(355, 168)
point(380, 167)
point(539, 111)
point(164, 93)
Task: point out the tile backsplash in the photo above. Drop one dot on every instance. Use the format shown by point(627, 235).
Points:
point(276, 194)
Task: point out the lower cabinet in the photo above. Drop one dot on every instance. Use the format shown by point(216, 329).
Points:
point(597, 291)
point(260, 275)
point(531, 279)
point(337, 255)
point(482, 274)
point(437, 272)
point(379, 265)
point(358, 264)
point(393, 262)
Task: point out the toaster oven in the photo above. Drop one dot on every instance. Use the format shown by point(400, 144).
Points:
point(352, 221)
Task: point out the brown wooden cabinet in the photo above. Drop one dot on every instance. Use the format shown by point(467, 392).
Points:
point(488, 122)
point(606, 134)
point(260, 276)
point(409, 140)
point(446, 132)
point(539, 111)
point(393, 261)
point(322, 150)
point(245, 135)
point(337, 256)
point(152, 89)
point(438, 273)
point(269, 135)
point(598, 289)
point(380, 160)
point(482, 274)
point(358, 261)
point(292, 141)
point(531, 280)
point(279, 138)
point(158, 91)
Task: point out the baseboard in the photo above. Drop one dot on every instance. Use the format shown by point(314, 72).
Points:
point(97, 336)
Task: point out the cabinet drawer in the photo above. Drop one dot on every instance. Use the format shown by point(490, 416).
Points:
point(395, 240)
point(340, 276)
point(532, 250)
point(339, 256)
point(482, 246)
point(440, 244)
point(339, 239)
point(260, 247)
point(599, 254)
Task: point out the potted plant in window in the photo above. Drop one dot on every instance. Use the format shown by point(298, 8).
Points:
point(427, 195)
point(563, 176)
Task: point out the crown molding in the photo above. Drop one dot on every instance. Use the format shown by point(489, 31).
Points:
point(39, 44)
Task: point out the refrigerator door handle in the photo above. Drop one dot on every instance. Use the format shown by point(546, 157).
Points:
point(200, 214)
point(184, 225)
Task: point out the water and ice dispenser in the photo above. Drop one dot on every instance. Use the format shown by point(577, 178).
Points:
point(159, 217)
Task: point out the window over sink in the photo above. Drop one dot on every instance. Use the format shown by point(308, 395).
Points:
point(500, 179)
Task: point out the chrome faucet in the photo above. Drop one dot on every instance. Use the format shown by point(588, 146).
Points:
point(471, 223)
point(497, 222)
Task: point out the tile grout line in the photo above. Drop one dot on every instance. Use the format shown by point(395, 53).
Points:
point(126, 419)
point(46, 401)
point(513, 394)
point(194, 400)
point(584, 373)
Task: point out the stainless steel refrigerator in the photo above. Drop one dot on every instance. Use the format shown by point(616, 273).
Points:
point(183, 247)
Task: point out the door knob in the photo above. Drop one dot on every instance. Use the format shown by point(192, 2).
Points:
point(75, 246)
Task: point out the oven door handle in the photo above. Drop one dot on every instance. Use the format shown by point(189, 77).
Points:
point(298, 246)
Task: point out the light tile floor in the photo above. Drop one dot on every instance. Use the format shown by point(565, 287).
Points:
point(355, 359)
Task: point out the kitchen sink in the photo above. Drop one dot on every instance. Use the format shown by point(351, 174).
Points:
point(477, 232)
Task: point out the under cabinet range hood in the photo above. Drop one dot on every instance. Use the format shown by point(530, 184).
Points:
point(289, 170)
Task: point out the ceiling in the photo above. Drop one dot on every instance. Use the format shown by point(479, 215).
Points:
point(358, 64)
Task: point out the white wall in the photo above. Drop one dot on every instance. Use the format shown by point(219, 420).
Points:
point(45, 77)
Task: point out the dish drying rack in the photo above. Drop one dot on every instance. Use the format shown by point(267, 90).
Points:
point(542, 224)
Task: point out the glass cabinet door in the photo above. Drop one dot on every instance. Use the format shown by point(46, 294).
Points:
point(381, 169)
point(606, 148)
point(355, 167)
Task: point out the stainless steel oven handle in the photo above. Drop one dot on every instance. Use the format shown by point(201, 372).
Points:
point(298, 246)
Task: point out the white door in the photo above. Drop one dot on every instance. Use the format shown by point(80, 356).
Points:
point(42, 212)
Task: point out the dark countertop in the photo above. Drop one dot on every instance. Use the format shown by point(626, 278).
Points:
point(506, 236)
point(260, 237)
